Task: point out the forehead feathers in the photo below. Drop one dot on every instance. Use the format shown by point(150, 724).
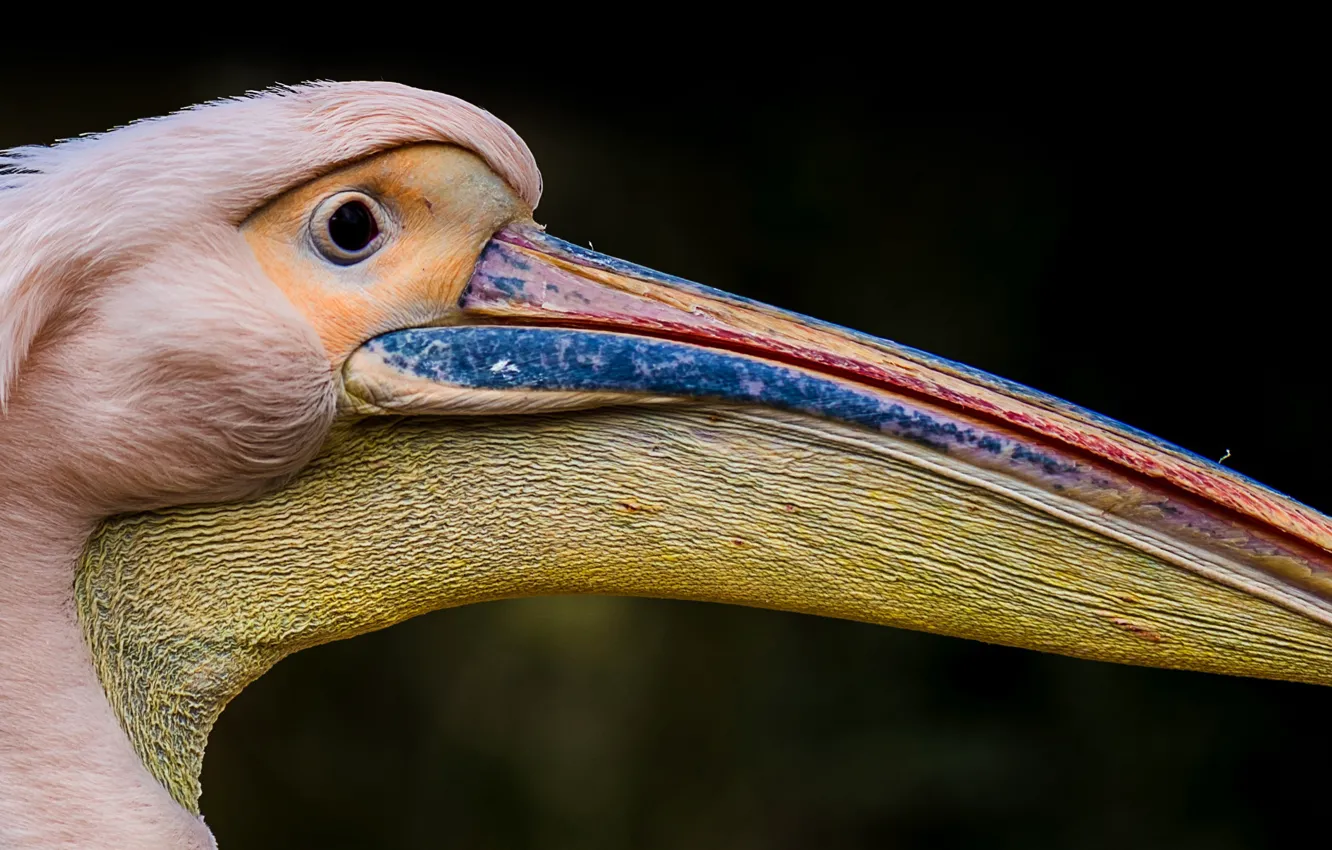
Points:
point(80, 211)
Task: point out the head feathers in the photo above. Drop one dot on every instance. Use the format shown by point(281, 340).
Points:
point(74, 213)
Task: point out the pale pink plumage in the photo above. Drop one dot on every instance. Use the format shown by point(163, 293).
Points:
point(146, 360)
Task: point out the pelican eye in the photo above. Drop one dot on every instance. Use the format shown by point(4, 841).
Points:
point(348, 227)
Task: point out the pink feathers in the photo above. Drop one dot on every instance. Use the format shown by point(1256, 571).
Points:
point(80, 211)
point(146, 360)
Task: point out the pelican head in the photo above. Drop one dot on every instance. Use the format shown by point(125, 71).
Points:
point(286, 369)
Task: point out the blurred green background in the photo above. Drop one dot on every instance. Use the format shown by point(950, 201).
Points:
point(1127, 246)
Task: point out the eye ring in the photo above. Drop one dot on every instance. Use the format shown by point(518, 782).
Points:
point(348, 227)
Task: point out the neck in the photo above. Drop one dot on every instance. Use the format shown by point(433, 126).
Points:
point(68, 775)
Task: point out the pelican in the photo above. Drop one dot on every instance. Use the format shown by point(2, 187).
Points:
point(288, 368)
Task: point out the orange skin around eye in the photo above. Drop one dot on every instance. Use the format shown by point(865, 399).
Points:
point(440, 204)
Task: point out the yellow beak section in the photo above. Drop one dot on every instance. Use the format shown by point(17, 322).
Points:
point(712, 502)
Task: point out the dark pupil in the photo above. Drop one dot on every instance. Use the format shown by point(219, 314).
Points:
point(352, 227)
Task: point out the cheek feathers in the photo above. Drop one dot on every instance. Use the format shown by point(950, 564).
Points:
point(197, 382)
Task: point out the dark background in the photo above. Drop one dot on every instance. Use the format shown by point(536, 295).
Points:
point(1136, 243)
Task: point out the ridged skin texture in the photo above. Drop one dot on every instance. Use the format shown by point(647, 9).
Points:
point(399, 517)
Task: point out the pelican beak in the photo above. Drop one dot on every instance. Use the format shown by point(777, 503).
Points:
point(544, 325)
point(739, 454)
